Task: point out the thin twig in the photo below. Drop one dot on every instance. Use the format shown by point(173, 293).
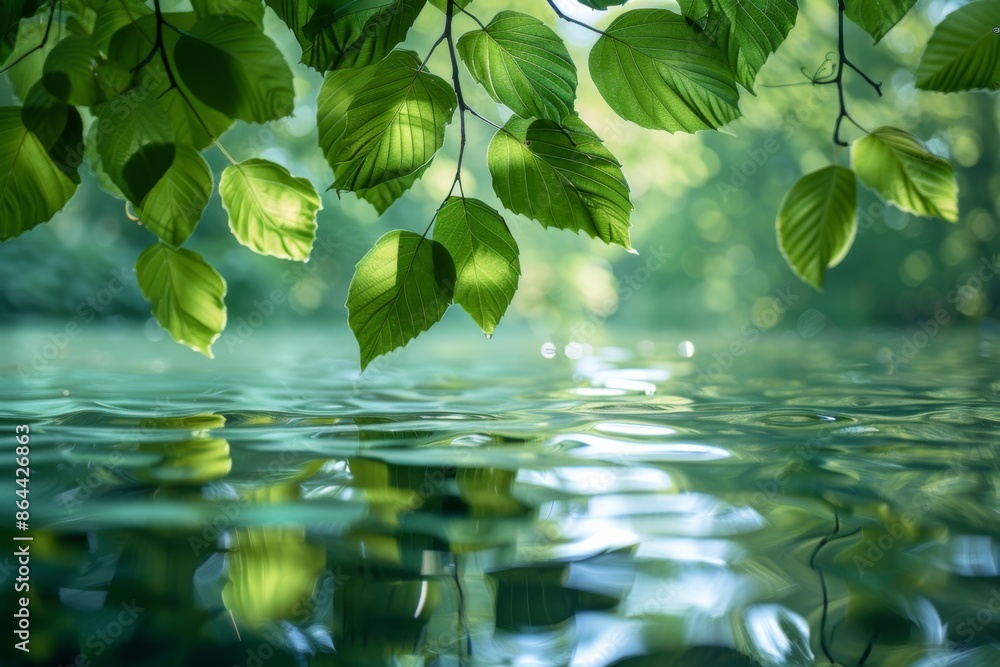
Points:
point(41, 45)
point(838, 79)
point(561, 14)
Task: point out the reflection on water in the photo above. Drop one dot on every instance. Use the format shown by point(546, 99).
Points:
point(612, 510)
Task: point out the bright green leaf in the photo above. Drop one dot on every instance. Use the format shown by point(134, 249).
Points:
point(270, 211)
point(817, 222)
point(522, 63)
point(401, 288)
point(354, 33)
point(32, 186)
point(173, 207)
point(877, 17)
point(657, 71)
point(896, 165)
point(747, 31)
point(964, 51)
point(231, 66)
point(487, 267)
point(384, 195)
point(561, 176)
point(248, 10)
point(390, 128)
point(135, 143)
point(186, 293)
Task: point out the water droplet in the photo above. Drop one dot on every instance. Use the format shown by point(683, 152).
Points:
point(573, 350)
point(65, 392)
point(549, 350)
point(686, 349)
point(489, 336)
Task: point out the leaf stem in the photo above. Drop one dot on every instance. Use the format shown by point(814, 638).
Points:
point(40, 45)
point(565, 17)
point(462, 106)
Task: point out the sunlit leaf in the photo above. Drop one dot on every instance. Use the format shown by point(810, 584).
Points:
point(401, 287)
point(390, 128)
point(113, 17)
point(561, 176)
point(442, 5)
point(231, 66)
point(384, 195)
point(352, 34)
point(964, 51)
point(896, 165)
point(136, 144)
point(522, 63)
point(655, 70)
point(877, 17)
point(32, 186)
point(186, 294)
point(747, 31)
point(31, 49)
point(270, 211)
point(601, 4)
point(487, 267)
point(175, 204)
point(817, 222)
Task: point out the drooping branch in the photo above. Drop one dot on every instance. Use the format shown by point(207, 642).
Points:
point(838, 78)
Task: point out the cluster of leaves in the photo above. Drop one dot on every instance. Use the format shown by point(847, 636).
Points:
point(141, 93)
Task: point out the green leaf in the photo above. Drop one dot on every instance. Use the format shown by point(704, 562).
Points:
point(747, 31)
point(899, 167)
point(70, 71)
point(173, 207)
point(270, 211)
point(817, 222)
point(32, 186)
point(561, 176)
point(964, 51)
point(30, 51)
point(401, 288)
point(601, 5)
point(384, 195)
point(389, 128)
point(113, 17)
point(186, 293)
point(523, 64)
point(130, 47)
point(354, 33)
point(11, 13)
point(877, 17)
point(231, 66)
point(487, 267)
point(135, 143)
point(248, 10)
point(657, 71)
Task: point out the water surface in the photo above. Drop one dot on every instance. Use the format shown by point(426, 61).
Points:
point(807, 502)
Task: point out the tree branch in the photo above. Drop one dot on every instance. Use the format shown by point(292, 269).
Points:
point(838, 79)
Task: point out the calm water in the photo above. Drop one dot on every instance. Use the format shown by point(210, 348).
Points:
point(818, 502)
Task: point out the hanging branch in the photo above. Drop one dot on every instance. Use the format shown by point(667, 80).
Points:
point(569, 19)
point(843, 62)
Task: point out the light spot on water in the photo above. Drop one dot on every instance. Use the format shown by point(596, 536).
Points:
point(573, 350)
point(549, 350)
point(686, 349)
point(625, 428)
point(158, 366)
point(65, 392)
